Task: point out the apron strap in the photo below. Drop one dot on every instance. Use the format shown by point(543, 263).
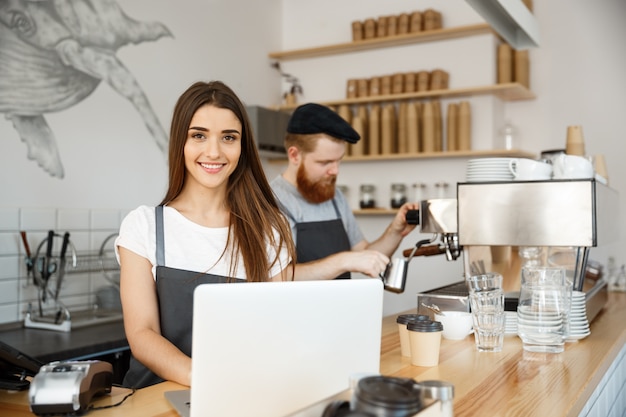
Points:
point(160, 246)
point(336, 209)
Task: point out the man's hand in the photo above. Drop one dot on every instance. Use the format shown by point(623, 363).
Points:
point(399, 224)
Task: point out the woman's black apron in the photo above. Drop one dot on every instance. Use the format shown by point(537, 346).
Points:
point(317, 240)
point(175, 289)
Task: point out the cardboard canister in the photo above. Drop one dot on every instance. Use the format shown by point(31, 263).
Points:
point(375, 88)
point(452, 127)
point(521, 68)
point(357, 31)
point(403, 140)
point(465, 126)
point(423, 80)
point(388, 129)
point(397, 83)
point(351, 87)
point(385, 85)
point(413, 127)
point(392, 25)
point(428, 127)
point(404, 22)
point(374, 130)
point(369, 29)
point(438, 79)
point(362, 87)
point(381, 27)
point(415, 23)
point(410, 82)
point(358, 124)
point(505, 61)
point(438, 125)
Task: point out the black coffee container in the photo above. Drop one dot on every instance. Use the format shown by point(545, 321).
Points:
point(383, 396)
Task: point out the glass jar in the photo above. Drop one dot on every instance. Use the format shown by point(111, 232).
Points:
point(367, 199)
point(398, 195)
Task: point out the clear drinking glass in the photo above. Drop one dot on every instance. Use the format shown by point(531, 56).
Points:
point(487, 304)
point(543, 307)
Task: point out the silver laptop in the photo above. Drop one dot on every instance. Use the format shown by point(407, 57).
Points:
point(270, 349)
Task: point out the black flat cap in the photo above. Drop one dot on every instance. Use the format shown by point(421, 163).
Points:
point(314, 118)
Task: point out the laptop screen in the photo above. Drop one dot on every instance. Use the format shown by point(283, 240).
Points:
point(269, 349)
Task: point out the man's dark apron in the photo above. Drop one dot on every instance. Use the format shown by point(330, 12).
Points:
point(316, 240)
point(175, 289)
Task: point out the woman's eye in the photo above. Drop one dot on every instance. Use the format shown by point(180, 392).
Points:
point(230, 138)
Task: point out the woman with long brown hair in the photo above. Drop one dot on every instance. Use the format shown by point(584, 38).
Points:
point(219, 222)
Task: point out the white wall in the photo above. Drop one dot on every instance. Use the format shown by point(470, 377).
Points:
point(111, 162)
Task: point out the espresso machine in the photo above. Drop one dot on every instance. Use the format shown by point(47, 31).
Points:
point(496, 222)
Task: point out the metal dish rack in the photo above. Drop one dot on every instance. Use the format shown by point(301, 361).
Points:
point(58, 317)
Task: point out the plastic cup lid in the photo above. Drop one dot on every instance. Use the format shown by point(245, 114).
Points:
point(425, 326)
point(407, 318)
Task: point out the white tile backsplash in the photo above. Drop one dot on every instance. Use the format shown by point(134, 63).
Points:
point(37, 219)
point(9, 313)
point(9, 218)
point(105, 219)
point(73, 219)
point(87, 228)
point(8, 291)
point(10, 243)
point(10, 267)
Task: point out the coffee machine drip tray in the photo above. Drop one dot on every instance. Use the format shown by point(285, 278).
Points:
point(455, 297)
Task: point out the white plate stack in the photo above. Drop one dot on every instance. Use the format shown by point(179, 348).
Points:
point(578, 324)
point(488, 169)
point(510, 323)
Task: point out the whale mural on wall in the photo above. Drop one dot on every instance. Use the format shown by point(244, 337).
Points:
point(54, 53)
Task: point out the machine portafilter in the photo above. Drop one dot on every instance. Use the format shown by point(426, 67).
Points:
point(439, 216)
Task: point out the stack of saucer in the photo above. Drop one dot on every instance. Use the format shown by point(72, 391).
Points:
point(489, 169)
point(578, 324)
point(510, 323)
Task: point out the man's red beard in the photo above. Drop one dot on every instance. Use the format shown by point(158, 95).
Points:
point(315, 191)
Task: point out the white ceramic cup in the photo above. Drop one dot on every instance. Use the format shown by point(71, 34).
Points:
point(572, 167)
point(457, 325)
point(524, 169)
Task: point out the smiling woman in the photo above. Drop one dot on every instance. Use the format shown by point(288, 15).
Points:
point(212, 150)
point(219, 222)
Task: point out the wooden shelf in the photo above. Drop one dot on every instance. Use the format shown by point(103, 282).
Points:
point(492, 153)
point(513, 153)
point(389, 41)
point(507, 92)
point(374, 212)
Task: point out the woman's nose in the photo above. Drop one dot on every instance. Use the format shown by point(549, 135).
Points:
point(212, 147)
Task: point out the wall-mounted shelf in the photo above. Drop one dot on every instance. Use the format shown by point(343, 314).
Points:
point(506, 91)
point(492, 153)
point(374, 212)
point(513, 153)
point(388, 41)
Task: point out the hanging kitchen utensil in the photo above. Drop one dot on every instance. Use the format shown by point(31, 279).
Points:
point(48, 267)
point(29, 256)
point(62, 262)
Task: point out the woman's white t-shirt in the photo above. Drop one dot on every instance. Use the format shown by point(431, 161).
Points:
point(188, 245)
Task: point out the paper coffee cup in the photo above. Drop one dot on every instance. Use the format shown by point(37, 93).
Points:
point(403, 320)
point(425, 340)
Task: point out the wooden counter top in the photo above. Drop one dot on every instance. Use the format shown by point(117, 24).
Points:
point(508, 383)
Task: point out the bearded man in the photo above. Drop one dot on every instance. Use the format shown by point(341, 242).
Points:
point(329, 242)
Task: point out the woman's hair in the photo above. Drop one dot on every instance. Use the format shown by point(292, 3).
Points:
point(254, 212)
